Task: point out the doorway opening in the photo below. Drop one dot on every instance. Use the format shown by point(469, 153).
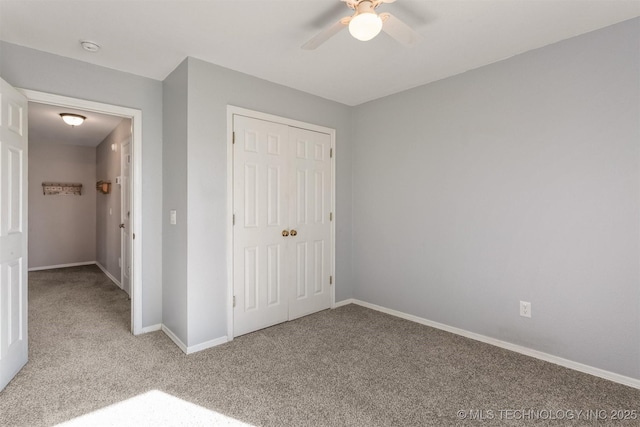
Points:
point(127, 150)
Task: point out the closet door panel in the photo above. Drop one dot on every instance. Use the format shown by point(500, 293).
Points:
point(261, 168)
point(310, 188)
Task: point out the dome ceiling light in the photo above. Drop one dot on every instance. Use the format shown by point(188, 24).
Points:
point(73, 119)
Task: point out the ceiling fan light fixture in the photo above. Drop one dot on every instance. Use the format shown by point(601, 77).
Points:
point(365, 26)
point(72, 119)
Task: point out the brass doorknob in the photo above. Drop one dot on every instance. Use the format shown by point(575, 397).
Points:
point(294, 233)
point(285, 233)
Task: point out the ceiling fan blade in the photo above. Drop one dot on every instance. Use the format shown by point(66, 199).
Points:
point(388, 1)
point(398, 29)
point(327, 34)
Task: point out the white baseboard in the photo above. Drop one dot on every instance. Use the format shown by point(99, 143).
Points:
point(174, 338)
point(109, 275)
point(611, 376)
point(193, 348)
point(52, 267)
point(207, 344)
point(152, 328)
point(345, 302)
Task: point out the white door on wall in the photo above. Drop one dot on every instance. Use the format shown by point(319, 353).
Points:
point(13, 232)
point(259, 187)
point(282, 234)
point(309, 207)
point(125, 216)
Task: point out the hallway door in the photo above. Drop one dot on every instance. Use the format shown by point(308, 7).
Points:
point(13, 232)
point(125, 216)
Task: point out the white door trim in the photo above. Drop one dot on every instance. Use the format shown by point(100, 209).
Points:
point(136, 178)
point(231, 111)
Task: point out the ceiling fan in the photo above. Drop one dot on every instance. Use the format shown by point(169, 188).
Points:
point(365, 24)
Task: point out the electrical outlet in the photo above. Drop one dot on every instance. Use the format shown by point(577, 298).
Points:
point(172, 217)
point(525, 309)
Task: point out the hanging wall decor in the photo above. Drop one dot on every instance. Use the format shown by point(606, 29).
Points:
point(104, 187)
point(61, 189)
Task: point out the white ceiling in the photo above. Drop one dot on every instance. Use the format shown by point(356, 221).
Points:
point(263, 38)
point(46, 126)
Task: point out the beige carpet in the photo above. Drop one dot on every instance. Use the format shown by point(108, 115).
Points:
point(350, 366)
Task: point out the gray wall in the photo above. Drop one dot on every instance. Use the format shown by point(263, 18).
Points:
point(62, 229)
point(32, 69)
point(108, 248)
point(210, 89)
point(174, 239)
point(515, 181)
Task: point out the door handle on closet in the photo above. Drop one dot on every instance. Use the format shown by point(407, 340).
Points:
point(293, 233)
point(121, 225)
point(285, 233)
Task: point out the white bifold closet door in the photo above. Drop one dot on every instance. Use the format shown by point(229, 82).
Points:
point(282, 232)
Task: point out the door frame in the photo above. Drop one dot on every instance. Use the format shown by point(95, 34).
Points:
point(231, 111)
point(135, 183)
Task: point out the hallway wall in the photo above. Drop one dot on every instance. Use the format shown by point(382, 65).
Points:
point(61, 228)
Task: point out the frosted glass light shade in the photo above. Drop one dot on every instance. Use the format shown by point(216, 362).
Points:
point(72, 119)
point(365, 26)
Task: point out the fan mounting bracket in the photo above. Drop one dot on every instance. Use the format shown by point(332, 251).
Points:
point(353, 4)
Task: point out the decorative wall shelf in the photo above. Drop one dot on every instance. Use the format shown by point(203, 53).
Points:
point(61, 189)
